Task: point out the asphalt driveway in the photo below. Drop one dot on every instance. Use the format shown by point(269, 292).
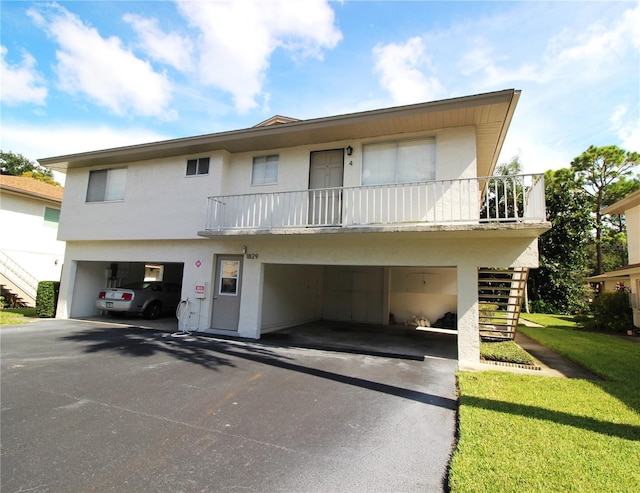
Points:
point(91, 406)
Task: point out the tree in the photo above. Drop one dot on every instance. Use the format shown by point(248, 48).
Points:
point(557, 285)
point(615, 192)
point(18, 165)
point(505, 194)
point(598, 168)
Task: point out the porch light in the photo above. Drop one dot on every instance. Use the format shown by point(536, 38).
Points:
point(349, 150)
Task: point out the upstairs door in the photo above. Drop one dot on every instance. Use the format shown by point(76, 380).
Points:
point(325, 195)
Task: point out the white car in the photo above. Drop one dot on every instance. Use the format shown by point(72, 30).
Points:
point(151, 298)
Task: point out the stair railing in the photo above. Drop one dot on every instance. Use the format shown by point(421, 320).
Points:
point(18, 275)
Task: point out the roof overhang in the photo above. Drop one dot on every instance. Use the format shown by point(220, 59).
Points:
point(618, 274)
point(630, 201)
point(489, 113)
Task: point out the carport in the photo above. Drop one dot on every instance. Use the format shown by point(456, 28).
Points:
point(92, 276)
point(355, 307)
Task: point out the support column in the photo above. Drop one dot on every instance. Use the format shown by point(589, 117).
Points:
point(67, 285)
point(251, 301)
point(468, 331)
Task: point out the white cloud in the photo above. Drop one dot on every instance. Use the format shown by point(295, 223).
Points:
point(401, 70)
point(21, 83)
point(101, 68)
point(592, 50)
point(238, 38)
point(627, 128)
point(36, 142)
point(172, 48)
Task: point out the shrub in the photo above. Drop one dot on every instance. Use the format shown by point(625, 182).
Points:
point(47, 299)
point(612, 312)
point(506, 351)
point(541, 306)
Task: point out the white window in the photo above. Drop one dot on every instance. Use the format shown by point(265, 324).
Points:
point(107, 185)
point(198, 166)
point(229, 278)
point(265, 170)
point(399, 162)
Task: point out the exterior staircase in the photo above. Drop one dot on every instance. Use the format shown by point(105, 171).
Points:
point(500, 293)
point(17, 286)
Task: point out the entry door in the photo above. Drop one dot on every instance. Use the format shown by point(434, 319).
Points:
point(325, 173)
point(226, 292)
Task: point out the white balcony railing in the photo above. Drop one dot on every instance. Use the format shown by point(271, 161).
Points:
point(475, 200)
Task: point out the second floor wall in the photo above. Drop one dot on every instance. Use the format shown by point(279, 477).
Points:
point(166, 198)
point(633, 234)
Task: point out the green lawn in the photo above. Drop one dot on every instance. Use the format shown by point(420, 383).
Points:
point(16, 316)
point(521, 433)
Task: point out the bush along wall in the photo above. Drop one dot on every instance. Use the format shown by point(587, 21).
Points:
point(47, 299)
point(612, 311)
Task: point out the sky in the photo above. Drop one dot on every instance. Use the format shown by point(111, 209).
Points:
point(82, 75)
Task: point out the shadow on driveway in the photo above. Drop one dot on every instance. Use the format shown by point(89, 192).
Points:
point(213, 353)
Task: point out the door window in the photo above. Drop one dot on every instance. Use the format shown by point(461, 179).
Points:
point(229, 277)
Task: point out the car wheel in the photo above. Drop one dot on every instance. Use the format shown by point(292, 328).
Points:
point(152, 311)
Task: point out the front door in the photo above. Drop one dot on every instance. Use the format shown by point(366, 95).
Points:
point(325, 179)
point(226, 292)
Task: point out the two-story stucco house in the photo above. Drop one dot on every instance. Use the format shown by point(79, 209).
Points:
point(629, 274)
point(355, 217)
point(29, 249)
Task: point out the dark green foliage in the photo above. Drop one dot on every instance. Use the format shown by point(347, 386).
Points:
point(18, 165)
point(612, 311)
point(557, 285)
point(47, 299)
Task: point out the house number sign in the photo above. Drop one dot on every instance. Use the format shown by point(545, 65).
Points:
point(251, 256)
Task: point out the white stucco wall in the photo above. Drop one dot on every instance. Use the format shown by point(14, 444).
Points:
point(291, 295)
point(265, 287)
point(430, 292)
point(27, 239)
point(633, 234)
point(289, 277)
point(161, 202)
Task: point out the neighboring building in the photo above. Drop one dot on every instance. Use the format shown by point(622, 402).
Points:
point(29, 249)
point(355, 217)
point(629, 275)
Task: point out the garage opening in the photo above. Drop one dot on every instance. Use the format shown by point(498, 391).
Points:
point(92, 278)
point(366, 301)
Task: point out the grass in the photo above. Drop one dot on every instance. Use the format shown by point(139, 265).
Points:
point(506, 351)
point(538, 434)
point(16, 316)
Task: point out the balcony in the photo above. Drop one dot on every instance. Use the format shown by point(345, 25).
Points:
point(473, 201)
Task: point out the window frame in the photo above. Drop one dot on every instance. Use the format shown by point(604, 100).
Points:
point(399, 168)
point(114, 187)
point(263, 181)
point(199, 166)
point(51, 222)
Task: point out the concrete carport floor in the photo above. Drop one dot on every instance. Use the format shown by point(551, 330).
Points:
point(395, 341)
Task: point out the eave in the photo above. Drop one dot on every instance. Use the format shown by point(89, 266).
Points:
point(489, 113)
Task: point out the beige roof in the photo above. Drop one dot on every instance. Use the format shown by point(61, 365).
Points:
point(24, 185)
point(631, 200)
point(490, 113)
